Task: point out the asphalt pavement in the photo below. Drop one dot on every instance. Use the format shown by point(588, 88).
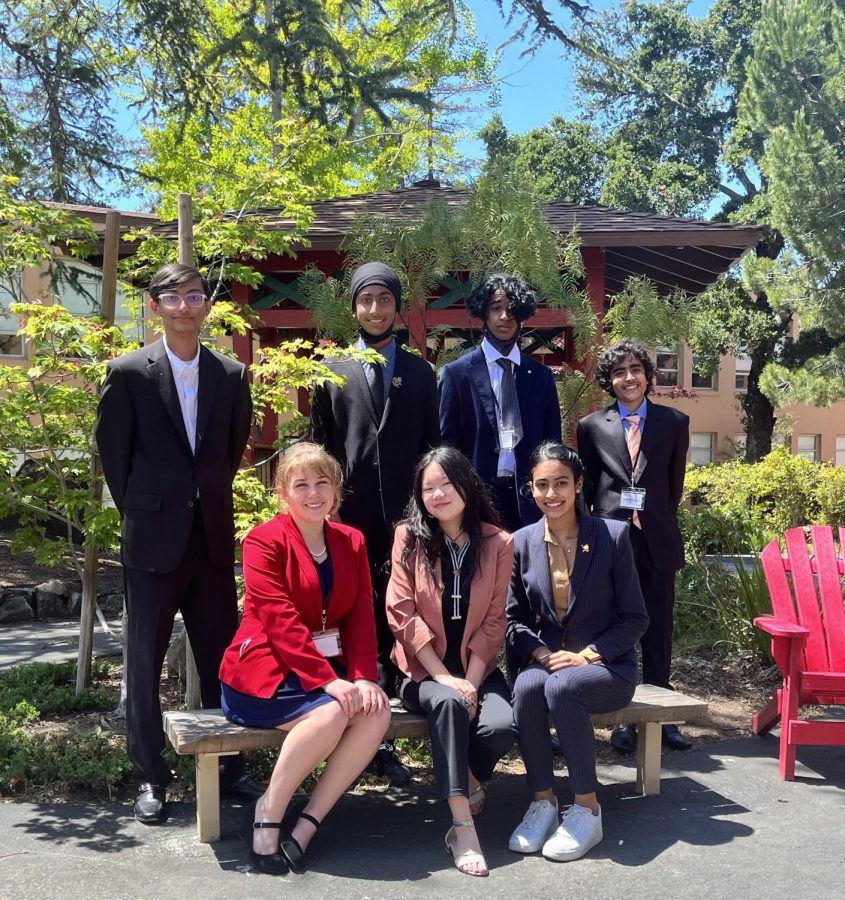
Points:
point(723, 826)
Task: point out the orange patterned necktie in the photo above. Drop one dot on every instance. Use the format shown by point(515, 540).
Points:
point(633, 438)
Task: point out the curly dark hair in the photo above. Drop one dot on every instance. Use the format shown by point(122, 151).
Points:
point(522, 301)
point(422, 528)
point(617, 353)
point(554, 451)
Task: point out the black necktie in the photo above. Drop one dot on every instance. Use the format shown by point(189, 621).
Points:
point(510, 414)
point(375, 379)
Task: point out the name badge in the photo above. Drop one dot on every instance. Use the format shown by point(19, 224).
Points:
point(506, 439)
point(327, 642)
point(632, 498)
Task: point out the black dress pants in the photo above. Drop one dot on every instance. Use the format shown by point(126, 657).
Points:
point(659, 594)
point(379, 546)
point(457, 744)
point(206, 596)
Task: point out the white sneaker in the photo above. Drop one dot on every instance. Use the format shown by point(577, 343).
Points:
point(578, 832)
point(539, 822)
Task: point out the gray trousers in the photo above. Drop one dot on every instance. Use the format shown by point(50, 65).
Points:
point(569, 695)
point(458, 745)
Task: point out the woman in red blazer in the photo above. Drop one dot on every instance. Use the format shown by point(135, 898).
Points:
point(446, 606)
point(304, 657)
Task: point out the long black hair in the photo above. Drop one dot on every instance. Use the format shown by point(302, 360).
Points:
point(424, 530)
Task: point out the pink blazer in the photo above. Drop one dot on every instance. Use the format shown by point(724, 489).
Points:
point(414, 604)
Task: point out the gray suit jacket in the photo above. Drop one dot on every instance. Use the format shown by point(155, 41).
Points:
point(606, 609)
point(151, 472)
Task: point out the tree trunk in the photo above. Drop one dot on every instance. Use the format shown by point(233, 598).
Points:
point(758, 412)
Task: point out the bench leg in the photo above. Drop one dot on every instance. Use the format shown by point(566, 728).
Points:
point(208, 796)
point(649, 736)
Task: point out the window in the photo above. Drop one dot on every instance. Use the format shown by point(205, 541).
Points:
point(667, 369)
point(808, 446)
point(10, 343)
point(740, 443)
point(700, 381)
point(78, 288)
point(701, 449)
point(743, 367)
point(840, 450)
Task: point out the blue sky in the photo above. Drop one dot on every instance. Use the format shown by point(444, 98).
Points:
point(535, 88)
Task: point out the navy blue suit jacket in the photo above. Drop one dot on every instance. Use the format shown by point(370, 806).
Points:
point(468, 418)
point(606, 608)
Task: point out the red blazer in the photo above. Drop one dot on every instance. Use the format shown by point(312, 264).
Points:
point(284, 603)
point(415, 604)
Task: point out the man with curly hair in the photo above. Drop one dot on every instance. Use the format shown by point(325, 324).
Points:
point(634, 455)
point(496, 403)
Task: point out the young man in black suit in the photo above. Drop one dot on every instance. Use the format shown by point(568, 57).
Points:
point(172, 425)
point(496, 403)
point(635, 455)
point(377, 425)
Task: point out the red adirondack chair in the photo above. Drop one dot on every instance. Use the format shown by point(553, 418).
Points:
point(808, 639)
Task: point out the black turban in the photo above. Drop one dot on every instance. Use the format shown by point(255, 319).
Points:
point(376, 273)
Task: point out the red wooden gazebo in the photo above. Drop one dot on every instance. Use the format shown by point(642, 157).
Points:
point(672, 252)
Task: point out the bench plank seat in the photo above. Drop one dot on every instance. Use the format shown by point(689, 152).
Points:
point(207, 735)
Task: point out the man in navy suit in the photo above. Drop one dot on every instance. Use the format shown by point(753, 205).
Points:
point(172, 425)
point(634, 455)
point(496, 403)
point(377, 425)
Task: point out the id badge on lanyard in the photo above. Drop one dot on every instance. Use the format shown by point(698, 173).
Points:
point(327, 640)
point(507, 438)
point(632, 498)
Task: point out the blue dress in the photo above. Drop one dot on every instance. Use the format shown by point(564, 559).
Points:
point(291, 700)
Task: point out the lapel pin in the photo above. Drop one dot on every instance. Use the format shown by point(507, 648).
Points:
point(585, 548)
point(396, 381)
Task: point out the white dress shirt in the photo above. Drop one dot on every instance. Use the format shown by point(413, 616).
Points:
point(187, 378)
point(507, 458)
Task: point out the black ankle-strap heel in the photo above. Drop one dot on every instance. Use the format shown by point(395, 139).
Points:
point(291, 850)
point(271, 863)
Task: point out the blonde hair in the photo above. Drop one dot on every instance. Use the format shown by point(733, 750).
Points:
point(306, 455)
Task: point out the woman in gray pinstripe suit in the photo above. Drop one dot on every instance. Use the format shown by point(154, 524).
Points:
point(575, 613)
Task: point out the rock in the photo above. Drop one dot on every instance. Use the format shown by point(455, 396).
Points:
point(50, 606)
point(51, 599)
point(53, 586)
point(74, 603)
point(175, 656)
point(111, 604)
point(16, 609)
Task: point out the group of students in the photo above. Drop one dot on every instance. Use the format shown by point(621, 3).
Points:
point(462, 530)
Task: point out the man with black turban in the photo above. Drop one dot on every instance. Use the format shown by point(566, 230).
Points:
point(496, 403)
point(377, 425)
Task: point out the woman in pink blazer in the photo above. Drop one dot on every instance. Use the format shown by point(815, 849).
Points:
point(451, 566)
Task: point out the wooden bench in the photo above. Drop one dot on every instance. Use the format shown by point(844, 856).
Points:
point(207, 735)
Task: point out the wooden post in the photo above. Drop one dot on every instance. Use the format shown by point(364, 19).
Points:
point(186, 256)
point(186, 230)
point(108, 296)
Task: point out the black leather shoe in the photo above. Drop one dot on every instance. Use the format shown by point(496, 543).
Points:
point(387, 764)
point(624, 738)
point(242, 788)
point(150, 804)
point(673, 739)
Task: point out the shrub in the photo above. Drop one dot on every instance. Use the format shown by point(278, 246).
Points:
point(737, 507)
point(95, 760)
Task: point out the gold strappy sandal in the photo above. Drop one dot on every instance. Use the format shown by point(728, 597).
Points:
point(468, 857)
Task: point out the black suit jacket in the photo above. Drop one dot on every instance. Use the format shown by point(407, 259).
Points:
point(663, 452)
point(151, 472)
point(378, 456)
point(606, 608)
point(468, 418)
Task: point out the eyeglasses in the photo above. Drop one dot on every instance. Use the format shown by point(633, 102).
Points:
point(174, 301)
